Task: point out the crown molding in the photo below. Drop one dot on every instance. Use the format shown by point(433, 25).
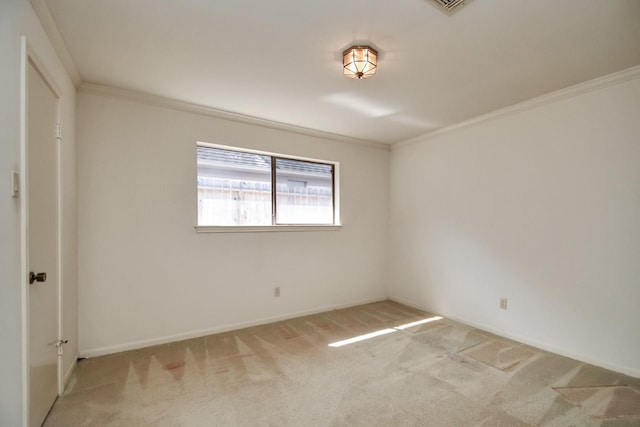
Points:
point(50, 27)
point(160, 101)
point(550, 98)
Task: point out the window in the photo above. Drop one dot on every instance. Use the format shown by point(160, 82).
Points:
point(235, 188)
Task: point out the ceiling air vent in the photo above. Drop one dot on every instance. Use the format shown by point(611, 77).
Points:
point(449, 6)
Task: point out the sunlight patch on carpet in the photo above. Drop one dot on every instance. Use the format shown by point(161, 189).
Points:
point(384, 332)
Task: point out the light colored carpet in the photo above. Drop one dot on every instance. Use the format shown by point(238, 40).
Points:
point(408, 368)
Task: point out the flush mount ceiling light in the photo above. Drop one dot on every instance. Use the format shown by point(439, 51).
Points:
point(360, 62)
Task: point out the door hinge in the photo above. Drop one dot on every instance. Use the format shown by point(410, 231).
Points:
point(15, 184)
point(59, 344)
point(59, 131)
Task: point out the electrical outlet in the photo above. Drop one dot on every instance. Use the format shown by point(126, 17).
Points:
point(276, 291)
point(503, 303)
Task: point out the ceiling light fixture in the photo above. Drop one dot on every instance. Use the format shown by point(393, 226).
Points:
point(360, 62)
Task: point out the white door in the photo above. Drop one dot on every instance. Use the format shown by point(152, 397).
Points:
point(42, 240)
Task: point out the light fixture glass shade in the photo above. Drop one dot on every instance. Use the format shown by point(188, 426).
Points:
point(360, 62)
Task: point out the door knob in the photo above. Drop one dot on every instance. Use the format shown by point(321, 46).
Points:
point(40, 277)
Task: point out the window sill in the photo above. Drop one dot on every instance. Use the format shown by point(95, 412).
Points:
point(264, 228)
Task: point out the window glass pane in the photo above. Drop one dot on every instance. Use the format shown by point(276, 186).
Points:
point(304, 192)
point(234, 188)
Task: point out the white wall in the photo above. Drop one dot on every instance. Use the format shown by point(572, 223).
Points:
point(17, 18)
point(146, 276)
point(541, 207)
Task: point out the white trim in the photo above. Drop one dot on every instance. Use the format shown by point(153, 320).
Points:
point(48, 23)
point(534, 343)
point(134, 345)
point(24, 230)
point(59, 203)
point(550, 98)
point(264, 228)
point(160, 101)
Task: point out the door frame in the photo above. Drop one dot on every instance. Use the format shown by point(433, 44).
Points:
point(27, 55)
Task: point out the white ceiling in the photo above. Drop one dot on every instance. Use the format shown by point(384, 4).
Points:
point(280, 60)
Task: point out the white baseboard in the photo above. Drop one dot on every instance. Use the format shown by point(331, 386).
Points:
point(534, 343)
point(102, 351)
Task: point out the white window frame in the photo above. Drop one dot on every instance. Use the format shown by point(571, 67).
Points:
point(337, 225)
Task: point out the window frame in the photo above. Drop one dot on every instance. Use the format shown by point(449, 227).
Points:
point(337, 225)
